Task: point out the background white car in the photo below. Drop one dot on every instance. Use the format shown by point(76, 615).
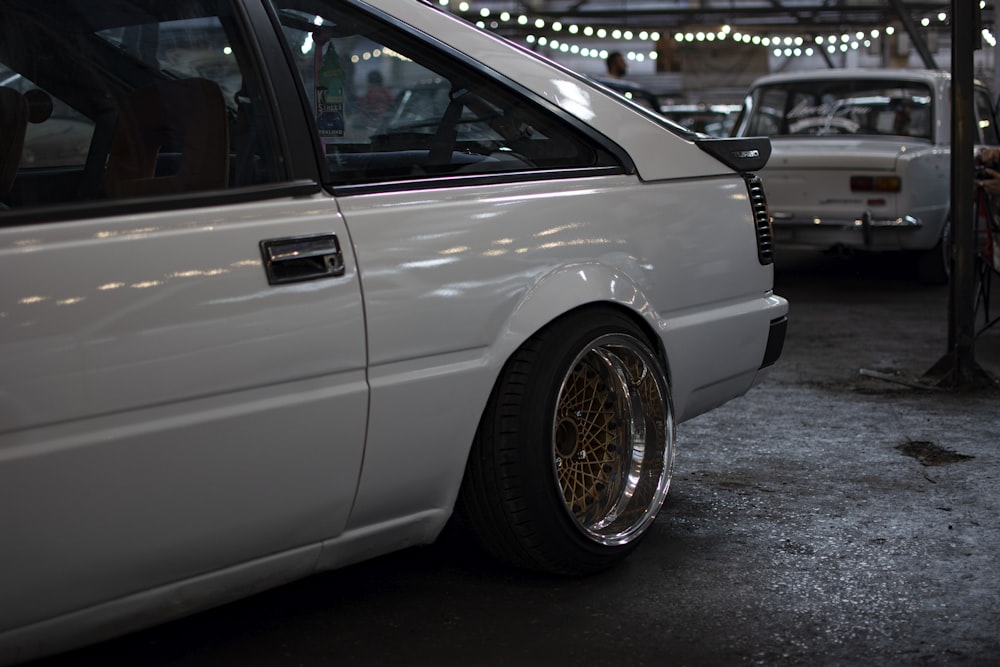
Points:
point(712, 119)
point(861, 159)
point(254, 332)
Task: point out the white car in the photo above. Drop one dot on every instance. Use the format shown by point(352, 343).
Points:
point(712, 119)
point(861, 159)
point(255, 332)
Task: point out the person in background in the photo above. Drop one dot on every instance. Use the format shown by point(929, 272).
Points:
point(988, 179)
point(615, 63)
point(376, 100)
point(990, 159)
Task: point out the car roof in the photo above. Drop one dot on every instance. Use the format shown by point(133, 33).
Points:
point(932, 77)
point(700, 108)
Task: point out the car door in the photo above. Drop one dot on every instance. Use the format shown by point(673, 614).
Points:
point(182, 383)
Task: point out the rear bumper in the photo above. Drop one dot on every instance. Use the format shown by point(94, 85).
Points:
point(775, 341)
point(866, 219)
point(724, 348)
point(866, 232)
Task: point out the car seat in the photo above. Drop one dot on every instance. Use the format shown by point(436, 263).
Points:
point(172, 136)
point(13, 124)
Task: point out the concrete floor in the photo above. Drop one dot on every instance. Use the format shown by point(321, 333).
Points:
point(829, 517)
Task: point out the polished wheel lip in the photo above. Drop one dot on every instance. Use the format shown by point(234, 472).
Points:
point(631, 395)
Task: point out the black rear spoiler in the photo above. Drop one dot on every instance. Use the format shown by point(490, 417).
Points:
point(739, 153)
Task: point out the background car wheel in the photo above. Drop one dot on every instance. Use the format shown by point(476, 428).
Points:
point(574, 453)
point(934, 265)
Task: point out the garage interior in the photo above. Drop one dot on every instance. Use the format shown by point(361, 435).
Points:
point(709, 51)
point(843, 512)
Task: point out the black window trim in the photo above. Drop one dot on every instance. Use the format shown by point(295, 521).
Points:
point(468, 180)
point(106, 208)
point(294, 132)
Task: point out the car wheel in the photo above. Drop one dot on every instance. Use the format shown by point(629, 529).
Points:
point(573, 456)
point(934, 265)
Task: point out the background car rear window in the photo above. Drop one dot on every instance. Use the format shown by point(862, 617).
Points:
point(389, 107)
point(824, 108)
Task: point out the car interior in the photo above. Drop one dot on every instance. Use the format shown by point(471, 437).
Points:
point(140, 103)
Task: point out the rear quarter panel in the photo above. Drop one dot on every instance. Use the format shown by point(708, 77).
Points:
point(456, 279)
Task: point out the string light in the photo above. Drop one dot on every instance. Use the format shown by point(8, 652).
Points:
point(779, 45)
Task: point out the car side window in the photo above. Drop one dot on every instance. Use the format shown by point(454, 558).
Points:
point(389, 107)
point(57, 135)
point(129, 99)
point(986, 119)
point(768, 112)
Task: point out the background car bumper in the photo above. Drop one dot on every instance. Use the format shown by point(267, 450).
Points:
point(866, 232)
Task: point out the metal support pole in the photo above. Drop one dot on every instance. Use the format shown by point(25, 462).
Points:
point(958, 367)
point(963, 141)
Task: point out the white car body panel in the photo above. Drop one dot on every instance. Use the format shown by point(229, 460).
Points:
point(151, 376)
point(177, 432)
point(812, 183)
point(449, 296)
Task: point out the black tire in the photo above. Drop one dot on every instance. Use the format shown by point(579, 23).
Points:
point(574, 453)
point(934, 265)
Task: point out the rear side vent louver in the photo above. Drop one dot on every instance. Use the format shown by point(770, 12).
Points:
point(761, 219)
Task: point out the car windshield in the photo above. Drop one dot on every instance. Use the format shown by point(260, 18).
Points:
point(855, 107)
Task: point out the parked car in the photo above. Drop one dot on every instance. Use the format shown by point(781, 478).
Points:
point(632, 91)
point(239, 346)
point(715, 120)
point(861, 159)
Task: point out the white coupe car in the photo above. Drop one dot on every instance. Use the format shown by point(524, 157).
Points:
point(861, 159)
point(265, 326)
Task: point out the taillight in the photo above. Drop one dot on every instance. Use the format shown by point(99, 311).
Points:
point(876, 183)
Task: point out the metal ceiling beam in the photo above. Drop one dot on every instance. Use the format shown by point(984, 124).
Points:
point(826, 14)
point(807, 13)
point(579, 11)
point(775, 15)
point(915, 35)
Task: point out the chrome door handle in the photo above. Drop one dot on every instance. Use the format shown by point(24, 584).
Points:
point(299, 258)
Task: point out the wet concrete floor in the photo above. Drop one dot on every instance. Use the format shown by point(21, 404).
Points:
point(835, 515)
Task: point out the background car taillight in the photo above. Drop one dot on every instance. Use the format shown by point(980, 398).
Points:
point(761, 219)
point(876, 183)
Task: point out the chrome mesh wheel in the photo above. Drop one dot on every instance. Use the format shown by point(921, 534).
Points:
point(573, 456)
point(612, 439)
